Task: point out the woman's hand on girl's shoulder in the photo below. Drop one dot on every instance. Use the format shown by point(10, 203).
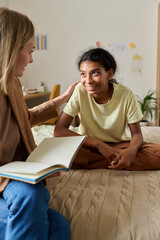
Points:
point(69, 91)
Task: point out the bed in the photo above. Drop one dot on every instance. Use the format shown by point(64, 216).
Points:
point(106, 204)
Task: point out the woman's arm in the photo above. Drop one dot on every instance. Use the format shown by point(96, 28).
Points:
point(47, 110)
point(125, 157)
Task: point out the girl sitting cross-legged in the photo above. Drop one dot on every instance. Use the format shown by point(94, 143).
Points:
point(105, 108)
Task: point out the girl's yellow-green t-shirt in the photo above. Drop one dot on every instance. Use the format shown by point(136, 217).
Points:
point(108, 121)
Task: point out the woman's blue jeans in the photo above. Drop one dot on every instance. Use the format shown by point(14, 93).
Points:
point(24, 214)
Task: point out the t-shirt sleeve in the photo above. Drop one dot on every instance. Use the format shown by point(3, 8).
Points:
point(134, 113)
point(73, 105)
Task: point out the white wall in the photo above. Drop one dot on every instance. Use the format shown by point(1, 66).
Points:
point(73, 26)
point(4, 3)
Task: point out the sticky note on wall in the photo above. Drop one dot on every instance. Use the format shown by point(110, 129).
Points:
point(98, 44)
point(137, 57)
point(132, 45)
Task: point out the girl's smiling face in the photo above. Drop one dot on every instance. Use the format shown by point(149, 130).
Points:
point(95, 78)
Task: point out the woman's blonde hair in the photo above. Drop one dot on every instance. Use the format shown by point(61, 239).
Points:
point(16, 30)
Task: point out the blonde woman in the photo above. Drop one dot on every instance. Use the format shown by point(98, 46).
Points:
point(24, 212)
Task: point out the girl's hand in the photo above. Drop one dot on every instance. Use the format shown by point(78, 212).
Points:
point(123, 160)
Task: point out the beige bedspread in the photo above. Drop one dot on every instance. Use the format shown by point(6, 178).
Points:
point(110, 205)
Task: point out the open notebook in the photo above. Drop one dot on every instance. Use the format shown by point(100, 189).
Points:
point(51, 155)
